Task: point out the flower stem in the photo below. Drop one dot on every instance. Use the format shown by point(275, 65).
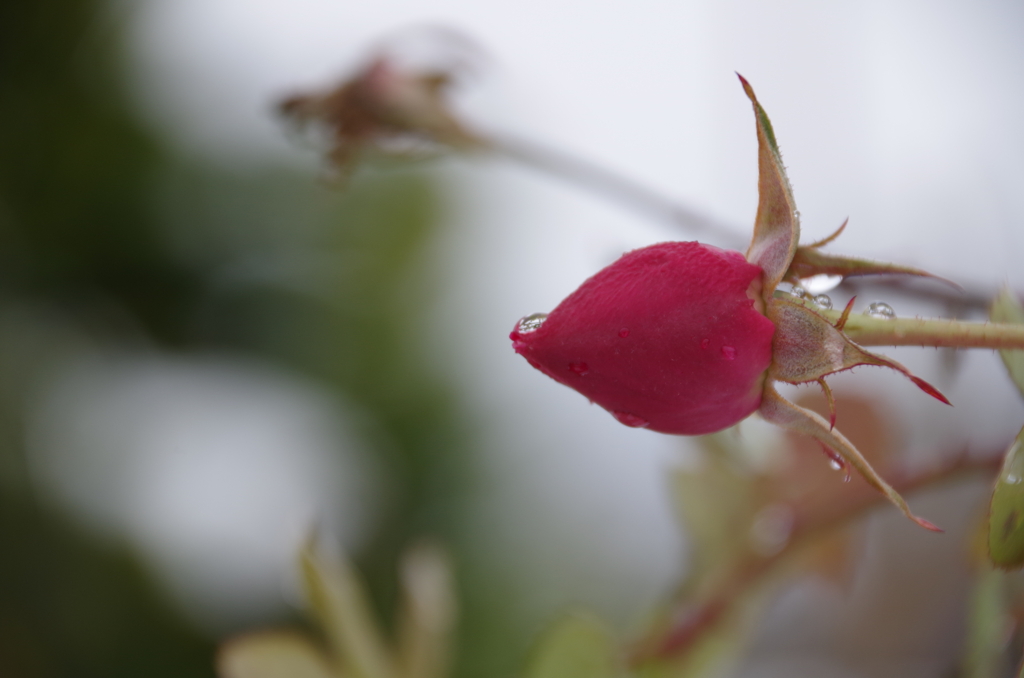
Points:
point(611, 185)
point(868, 331)
point(691, 620)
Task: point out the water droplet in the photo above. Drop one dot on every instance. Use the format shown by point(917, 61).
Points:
point(631, 420)
point(799, 292)
point(821, 283)
point(1012, 479)
point(704, 343)
point(824, 301)
point(837, 463)
point(624, 332)
point(580, 368)
point(880, 310)
point(729, 352)
point(532, 322)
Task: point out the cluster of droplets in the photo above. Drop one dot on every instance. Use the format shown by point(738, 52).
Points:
point(532, 322)
point(820, 300)
point(880, 310)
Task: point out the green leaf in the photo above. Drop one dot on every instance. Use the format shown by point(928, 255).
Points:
point(1007, 309)
point(576, 646)
point(776, 226)
point(273, 654)
point(1006, 515)
point(338, 599)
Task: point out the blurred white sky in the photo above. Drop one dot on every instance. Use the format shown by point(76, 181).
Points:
point(902, 115)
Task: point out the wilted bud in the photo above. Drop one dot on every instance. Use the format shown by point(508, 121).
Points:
point(381, 104)
point(670, 337)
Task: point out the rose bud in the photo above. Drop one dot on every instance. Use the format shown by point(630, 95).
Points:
point(670, 337)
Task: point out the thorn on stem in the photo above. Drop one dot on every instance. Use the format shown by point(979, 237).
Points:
point(841, 323)
point(831, 403)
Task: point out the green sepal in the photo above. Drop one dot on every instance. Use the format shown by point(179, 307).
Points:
point(809, 261)
point(779, 411)
point(807, 347)
point(776, 226)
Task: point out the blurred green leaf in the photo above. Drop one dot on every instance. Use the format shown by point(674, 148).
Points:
point(576, 646)
point(1007, 309)
point(428, 613)
point(1006, 516)
point(274, 654)
point(710, 656)
point(338, 598)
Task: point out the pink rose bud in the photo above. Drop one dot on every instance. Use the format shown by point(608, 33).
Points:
point(670, 337)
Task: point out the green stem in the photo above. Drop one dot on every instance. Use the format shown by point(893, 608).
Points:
point(868, 331)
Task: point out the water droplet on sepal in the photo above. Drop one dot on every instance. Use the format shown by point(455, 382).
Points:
point(798, 292)
point(837, 463)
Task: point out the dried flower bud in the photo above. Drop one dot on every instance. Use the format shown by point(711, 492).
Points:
point(670, 337)
point(381, 104)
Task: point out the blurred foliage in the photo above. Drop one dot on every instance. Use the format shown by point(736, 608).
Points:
point(351, 642)
point(1006, 514)
point(576, 646)
point(1006, 308)
point(108, 234)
